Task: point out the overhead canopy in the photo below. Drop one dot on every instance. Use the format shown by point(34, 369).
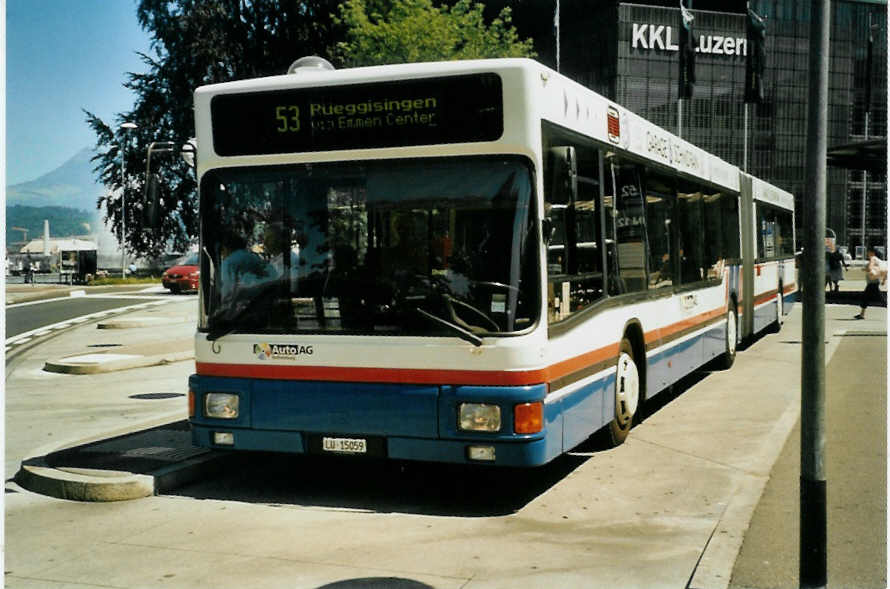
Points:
point(868, 155)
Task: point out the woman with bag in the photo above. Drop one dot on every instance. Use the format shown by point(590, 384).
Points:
point(875, 276)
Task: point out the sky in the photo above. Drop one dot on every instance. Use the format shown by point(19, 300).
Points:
point(63, 56)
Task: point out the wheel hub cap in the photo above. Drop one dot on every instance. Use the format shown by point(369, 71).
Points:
point(627, 389)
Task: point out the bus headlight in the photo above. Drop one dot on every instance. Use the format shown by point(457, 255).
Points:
point(221, 405)
point(479, 417)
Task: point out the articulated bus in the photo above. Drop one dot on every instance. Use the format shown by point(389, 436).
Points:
point(465, 262)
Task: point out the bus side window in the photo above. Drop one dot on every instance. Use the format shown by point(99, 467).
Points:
point(766, 227)
point(714, 255)
point(573, 240)
point(629, 227)
point(659, 211)
point(691, 229)
point(731, 232)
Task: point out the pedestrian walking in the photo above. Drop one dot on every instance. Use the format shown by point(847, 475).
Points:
point(875, 276)
point(836, 267)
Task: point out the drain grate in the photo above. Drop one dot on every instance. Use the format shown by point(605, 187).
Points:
point(154, 396)
point(104, 345)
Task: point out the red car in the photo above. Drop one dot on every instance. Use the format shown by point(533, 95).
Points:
point(183, 276)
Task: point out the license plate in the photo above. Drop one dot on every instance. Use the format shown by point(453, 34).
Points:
point(345, 445)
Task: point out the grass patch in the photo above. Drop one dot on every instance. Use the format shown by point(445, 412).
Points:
point(112, 281)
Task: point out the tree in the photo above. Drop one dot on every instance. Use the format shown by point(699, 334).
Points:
point(198, 42)
point(195, 42)
point(404, 31)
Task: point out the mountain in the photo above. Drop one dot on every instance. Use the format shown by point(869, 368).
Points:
point(66, 197)
point(70, 185)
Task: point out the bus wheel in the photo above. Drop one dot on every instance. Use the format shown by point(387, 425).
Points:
point(730, 340)
point(627, 394)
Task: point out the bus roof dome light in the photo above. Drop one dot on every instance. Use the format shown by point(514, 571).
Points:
point(310, 62)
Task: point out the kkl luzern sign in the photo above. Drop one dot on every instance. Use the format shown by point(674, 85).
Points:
point(661, 37)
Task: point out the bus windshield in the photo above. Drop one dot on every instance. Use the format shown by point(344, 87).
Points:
point(413, 247)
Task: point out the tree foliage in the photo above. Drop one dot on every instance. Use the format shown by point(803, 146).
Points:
point(198, 42)
point(403, 31)
point(65, 222)
point(194, 42)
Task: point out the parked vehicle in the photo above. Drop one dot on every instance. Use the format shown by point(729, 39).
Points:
point(183, 275)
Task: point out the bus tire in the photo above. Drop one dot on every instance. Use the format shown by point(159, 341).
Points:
point(628, 394)
point(730, 339)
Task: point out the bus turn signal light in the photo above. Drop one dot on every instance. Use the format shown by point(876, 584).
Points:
point(528, 418)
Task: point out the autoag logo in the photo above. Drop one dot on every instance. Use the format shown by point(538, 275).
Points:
point(281, 351)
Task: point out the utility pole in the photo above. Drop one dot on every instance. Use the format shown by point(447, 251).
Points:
point(813, 509)
point(126, 127)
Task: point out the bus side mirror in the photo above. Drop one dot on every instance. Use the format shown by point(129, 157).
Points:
point(563, 183)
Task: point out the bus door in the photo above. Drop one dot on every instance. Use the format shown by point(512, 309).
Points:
point(749, 254)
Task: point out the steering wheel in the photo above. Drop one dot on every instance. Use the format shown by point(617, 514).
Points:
point(451, 302)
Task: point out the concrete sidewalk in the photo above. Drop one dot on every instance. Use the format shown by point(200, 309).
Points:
point(135, 354)
point(856, 466)
point(671, 506)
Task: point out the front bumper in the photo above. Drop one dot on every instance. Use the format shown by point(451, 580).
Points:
point(407, 422)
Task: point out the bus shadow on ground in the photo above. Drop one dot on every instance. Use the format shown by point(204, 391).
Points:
point(375, 485)
point(389, 486)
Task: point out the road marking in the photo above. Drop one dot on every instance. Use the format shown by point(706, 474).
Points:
point(135, 295)
point(40, 331)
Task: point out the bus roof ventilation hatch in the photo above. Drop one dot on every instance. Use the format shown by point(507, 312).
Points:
point(310, 63)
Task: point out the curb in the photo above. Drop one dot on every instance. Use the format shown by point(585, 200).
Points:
point(83, 484)
point(130, 322)
point(97, 485)
point(109, 362)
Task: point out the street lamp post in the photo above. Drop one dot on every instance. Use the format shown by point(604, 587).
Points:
point(126, 127)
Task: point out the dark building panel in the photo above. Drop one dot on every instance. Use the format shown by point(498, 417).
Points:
point(604, 46)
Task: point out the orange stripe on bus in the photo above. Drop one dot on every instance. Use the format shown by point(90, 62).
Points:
point(376, 375)
point(444, 376)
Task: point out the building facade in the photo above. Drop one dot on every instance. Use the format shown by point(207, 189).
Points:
point(629, 53)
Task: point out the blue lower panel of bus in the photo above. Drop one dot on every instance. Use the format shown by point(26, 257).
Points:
point(413, 422)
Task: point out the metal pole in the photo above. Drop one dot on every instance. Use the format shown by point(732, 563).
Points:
point(745, 142)
point(680, 118)
point(813, 511)
point(126, 127)
point(864, 192)
point(123, 209)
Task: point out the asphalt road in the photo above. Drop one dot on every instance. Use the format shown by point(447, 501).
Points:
point(26, 317)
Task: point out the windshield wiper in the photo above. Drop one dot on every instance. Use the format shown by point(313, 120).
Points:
point(457, 329)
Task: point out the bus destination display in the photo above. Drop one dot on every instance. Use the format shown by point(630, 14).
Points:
point(430, 111)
